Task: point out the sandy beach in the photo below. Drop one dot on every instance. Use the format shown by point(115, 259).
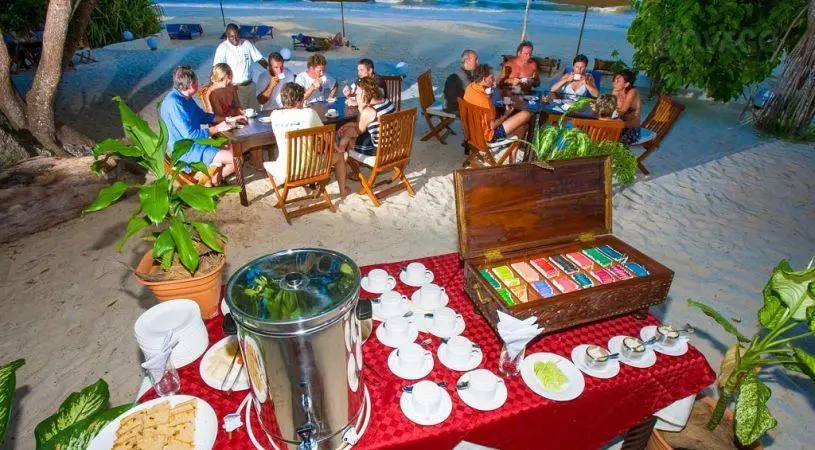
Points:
point(721, 207)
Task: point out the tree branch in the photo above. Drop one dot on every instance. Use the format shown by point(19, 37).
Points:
point(11, 104)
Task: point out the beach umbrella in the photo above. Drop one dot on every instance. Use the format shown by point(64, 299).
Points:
point(586, 4)
point(342, 11)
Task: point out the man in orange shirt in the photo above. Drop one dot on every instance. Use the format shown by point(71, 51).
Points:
point(478, 93)
point(522, 69)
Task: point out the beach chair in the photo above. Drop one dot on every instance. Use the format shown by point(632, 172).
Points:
point(194, 28)
point(264, 30)
point(247, 32)
point(392, 155)
point(432, 110)
point(393, 90)
point(310, 157)
point(178, 31)
point(600, 130)
point(300, 40)
point(483, 153)
point(660, 120)
point(547, 66)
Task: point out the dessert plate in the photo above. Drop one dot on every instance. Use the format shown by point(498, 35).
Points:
point(445, 408)
point(413, 373)
point(571, 390)
point(475, 359)
point(501, 395)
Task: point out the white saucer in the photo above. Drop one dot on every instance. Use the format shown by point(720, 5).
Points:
point(610, 370)
point(412, 334)
point(459, 328)
point(445, 408)
point(573, 388)
point(421, 372)
point(377, 314)
point(481, 405)
point(414, 302)
point(678, 349)
point(389, 287)
point(475, 359)
point(265, 119)
point(403, 278)
point(647, 360)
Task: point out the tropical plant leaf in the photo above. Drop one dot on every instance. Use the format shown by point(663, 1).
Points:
point(203, 198)
point(163, 139)
point(8, 385)
point(167, 260)
point(793, 288)
point(753, 419)
point(806, 362)
point(729, 363)
point(720, 319)
point(78, 406)
point(180, 148)
point(106, 196)
point(198, 166)
point(81, 433)
point(136, 128)
point(164, 243)
point(184, 245)
point(772, 313)
point(134, 225)
point(155, 199)
point(116, 147)
point(209, 235)
point(213, 142)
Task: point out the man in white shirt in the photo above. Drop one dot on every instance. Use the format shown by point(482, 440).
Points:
point(292, 117)
point(239, 54)
point(271, 81)
point(318, 85)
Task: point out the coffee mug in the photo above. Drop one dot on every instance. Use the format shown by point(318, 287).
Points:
point(524, 80)
point(482, 385)
point(633, 348)
point(667, 335)
point(417, 273)
point(460, 350)
point(281, 76)
point(378, 279)
point(426, 398)
point(444, 320)
point(411, 356)
point(430, 296)
point(390, 304)
point(249, 112)
point(396, 327)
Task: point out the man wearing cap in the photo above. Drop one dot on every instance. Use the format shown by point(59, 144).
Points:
point(239, 54)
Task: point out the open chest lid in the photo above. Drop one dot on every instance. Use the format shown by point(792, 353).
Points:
point(503, 209)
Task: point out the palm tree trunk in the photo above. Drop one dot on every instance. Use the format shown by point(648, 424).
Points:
point(77, 29)
point(11, 104)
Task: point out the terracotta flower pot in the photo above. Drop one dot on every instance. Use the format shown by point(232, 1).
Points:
point(203, 289)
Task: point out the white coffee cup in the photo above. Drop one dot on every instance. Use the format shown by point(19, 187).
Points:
point(507, 101)
point(459, 350)
point(524, 80)
point(577, 77)
point(417, 273)
point(430, 296)
point(516, 89)
point(483, 385)
point(426, 398)
point(378, 279)
point(249, 112)
point(397, 328)
point(390, 303)
point(281, 76)
point(444, 320)
point(411, 356)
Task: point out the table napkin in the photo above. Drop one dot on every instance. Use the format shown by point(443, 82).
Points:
point(517, 333)
point(158, 362)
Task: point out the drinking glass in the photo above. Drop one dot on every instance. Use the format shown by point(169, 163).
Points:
point(166, 382)
point(508, 366)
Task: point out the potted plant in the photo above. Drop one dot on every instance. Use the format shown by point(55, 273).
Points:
point(787, 317)
point(561, 142)
point(187, 254)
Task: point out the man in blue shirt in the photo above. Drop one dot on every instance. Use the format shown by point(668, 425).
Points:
point(184, 118)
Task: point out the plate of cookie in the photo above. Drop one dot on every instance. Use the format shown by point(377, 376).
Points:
point(177, 422)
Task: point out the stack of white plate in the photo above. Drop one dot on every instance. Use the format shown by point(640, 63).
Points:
point(183, 319)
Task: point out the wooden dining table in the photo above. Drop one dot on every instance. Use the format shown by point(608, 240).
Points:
point(256, 133)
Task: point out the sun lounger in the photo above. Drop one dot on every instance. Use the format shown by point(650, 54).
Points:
point(184, 31)
point(247, 32)
point(263, 30)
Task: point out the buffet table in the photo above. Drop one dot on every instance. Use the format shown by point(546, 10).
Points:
point(607, 408)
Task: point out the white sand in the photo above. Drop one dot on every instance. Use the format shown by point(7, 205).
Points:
point(721, 208)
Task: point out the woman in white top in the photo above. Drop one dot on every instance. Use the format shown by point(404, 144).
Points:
point(292, 117)
point(578, 82)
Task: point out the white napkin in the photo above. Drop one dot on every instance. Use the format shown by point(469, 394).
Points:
point(517, 333)
point(158, 363)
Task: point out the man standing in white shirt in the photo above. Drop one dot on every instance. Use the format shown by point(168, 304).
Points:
point(239, 54)
point(319, 86)
point(271, 81)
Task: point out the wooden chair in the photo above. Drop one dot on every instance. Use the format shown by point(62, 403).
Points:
point(473, 121)
point(310, 157)
point(392, 155)
point(600, 130)
point(660, 120)
point(393, 90)
point(431, 109)
point(185, 178)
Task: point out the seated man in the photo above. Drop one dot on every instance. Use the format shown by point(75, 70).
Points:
point(271, 81)
point(184, 118)
point(292, 117)
point(510, 123)
point(522, 70)
point(318, 85)
point(365, 68)
point(456, 82)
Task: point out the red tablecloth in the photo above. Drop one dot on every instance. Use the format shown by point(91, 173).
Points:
point(605, 409)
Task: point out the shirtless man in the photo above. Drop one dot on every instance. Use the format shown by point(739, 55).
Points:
point(522, 69)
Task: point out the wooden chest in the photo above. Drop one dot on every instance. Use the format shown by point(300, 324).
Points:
point(517, 214)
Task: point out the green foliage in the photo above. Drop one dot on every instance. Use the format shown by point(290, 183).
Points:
point(753, 418)
point(162, 204)
point(719, 46)
point(8, 384)
point(111, 17)
point(22, 16)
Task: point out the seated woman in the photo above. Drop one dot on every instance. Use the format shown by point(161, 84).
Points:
point(363, 136)
point(292, 117)
point(605, 106)
point(222, 95)
point(629, 106)
point(578, 82)
point(510, 123)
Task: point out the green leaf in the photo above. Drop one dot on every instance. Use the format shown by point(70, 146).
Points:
point(772, 313)
point(720, 319)
point(164, 243)
point(180, 148)
point(753, 419)
point(167, 260)
point(136, 128)
point(106, 196)
point(203, 198)
point(811, 311)
point(134, 225)
point(198, 166)
point(8, 385)
point(116, 147)
point(793, 288)
point(155, 199)
point(184, 245)
point(209, 235)
point(78, 406)
point(80, 434)
point(806, 362)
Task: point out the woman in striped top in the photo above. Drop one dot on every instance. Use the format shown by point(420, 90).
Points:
point(363, 136)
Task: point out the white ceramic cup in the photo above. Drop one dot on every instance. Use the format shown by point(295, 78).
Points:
point(430, 296)
point(507, 101)
point(397, 328)
point(378, 279)
point(577, 77)
point(411, 356)
point(524, 80)
point(444, 320)
point(249, 112)
point(516, 90)
point(390, 303)
point(483, 385)
point(281, 76)
point(460, 350)
point(426, 398)
point(595, 357)
point(417, 273)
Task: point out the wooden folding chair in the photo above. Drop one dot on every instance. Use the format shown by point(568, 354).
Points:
point(392, 154)
point(393, 90)
point(473, 122)
point(185, 178)
point(431, 109)
point(310, 157)
point(660, 120)
point(600, 130)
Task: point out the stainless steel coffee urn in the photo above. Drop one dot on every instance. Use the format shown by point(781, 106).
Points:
point(296, 312)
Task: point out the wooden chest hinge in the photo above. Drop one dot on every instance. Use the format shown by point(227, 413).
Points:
point(493, 255)
point(585, 237)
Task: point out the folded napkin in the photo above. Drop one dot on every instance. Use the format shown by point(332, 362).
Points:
point(517, 333)
point(156, 365)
